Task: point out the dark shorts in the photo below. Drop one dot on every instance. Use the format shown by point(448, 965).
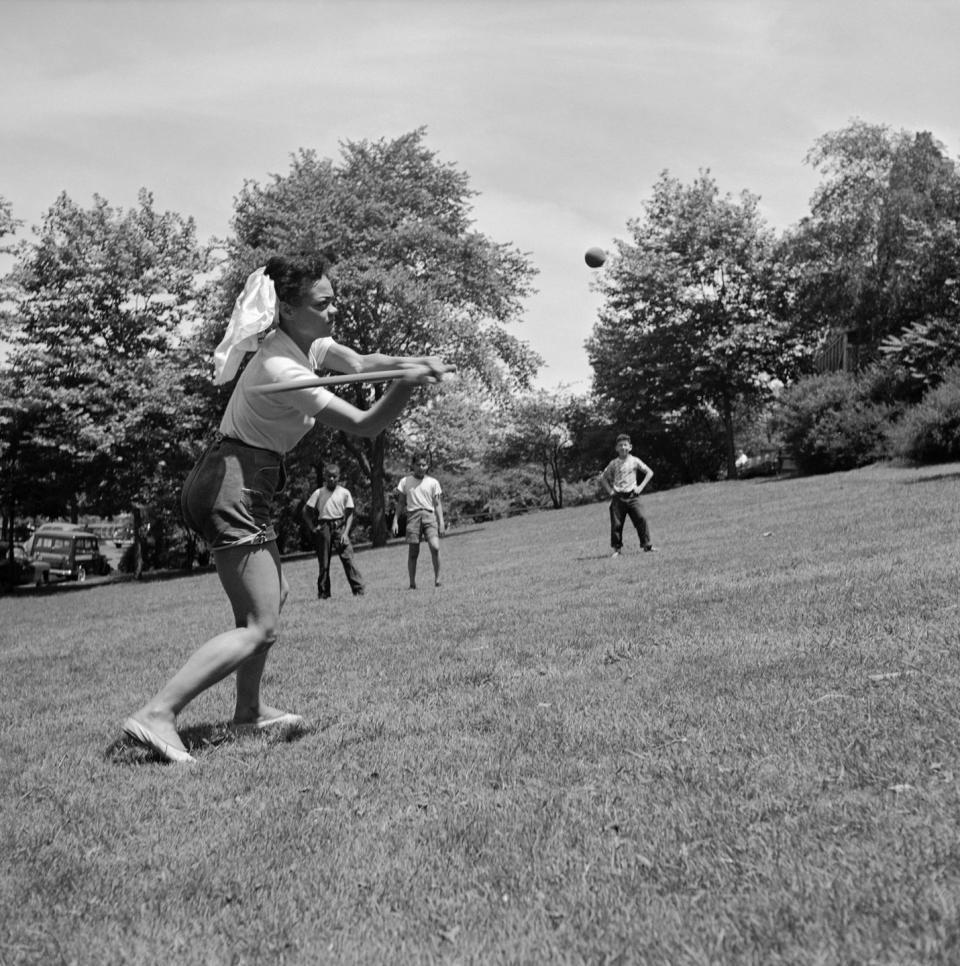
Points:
point(421, 525)
point(226, 498)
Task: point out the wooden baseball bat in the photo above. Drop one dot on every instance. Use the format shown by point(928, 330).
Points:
point(384, 375)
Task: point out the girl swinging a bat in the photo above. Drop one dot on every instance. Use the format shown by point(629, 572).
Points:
point(226, 497)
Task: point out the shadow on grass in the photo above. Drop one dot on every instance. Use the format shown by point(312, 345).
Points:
point(934, 478)
point(608, 555)
point(461, 532)
point(199, 738)
point(774, 478)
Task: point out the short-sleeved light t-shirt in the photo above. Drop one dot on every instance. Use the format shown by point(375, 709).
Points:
point(621, 474)
point(279, 420)
point(330, 505)
point(419, 493)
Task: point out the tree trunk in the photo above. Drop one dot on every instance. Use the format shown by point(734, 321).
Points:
point(12, 498)
point(729, 440)
point(371, 463)
point(552, 481)
point(137, 545)
point(378, 502)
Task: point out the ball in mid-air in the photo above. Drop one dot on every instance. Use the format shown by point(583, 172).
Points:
point(595, 257)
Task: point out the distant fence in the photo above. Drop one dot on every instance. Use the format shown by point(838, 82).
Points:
point(840, 353)
point(832, 357)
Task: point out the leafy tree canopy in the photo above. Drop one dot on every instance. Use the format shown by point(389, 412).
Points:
point(101, 298)
point(690, 323)
point(412, 276)
point(880, 249)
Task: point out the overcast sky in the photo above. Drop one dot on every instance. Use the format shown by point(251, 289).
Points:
point(562, 113)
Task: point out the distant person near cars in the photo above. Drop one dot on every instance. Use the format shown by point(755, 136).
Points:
point(419, 498)
point(328, 515)
point(621, 480)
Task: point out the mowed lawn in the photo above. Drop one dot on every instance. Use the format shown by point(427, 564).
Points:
point(744, 748)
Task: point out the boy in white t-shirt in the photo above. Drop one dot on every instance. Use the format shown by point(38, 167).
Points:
point(621, 480)
point(420, 496)
point(328, 515)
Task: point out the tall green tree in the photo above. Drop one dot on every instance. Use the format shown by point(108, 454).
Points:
point(880, 249)
point(8, 224)
point(102, 296)
point(8, 227)
point(691, 325)
point(412, 274)
point(456, 427)
point(539, 431)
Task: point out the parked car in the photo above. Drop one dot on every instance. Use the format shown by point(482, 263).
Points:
point(21, 569)
point(121, 536)
point(72, 553)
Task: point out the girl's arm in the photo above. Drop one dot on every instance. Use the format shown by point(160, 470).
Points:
point(339, 414)
point(344, 359)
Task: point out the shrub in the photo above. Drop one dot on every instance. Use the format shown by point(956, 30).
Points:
point(930, 431)
point(828, 425)
point(889, 384)
point(480, 493)
point(922, 352)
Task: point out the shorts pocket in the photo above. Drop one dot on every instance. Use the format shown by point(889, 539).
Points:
point(257, 504)
point(268, 478)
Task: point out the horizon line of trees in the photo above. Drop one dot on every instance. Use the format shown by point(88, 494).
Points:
point(708, 314)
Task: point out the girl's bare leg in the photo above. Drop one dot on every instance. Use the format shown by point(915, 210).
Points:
point(249, 706)
point(251, 577)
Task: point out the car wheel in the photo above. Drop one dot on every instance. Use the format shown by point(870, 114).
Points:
point(81, 574)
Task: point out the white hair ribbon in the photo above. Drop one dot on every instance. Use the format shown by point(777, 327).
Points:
point(254, 312)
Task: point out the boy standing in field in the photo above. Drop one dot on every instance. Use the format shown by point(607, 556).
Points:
point(620, 480)
point(420, 495)
point(328, 515)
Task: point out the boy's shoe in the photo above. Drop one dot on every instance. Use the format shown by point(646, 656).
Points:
point(650, 549)
point(616, 553)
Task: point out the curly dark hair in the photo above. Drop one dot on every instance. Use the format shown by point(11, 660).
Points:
point(293, 274)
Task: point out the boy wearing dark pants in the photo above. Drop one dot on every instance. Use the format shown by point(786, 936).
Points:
point(328, 514)
point(621, 480)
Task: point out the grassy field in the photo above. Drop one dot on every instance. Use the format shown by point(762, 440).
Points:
point(742, 749)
